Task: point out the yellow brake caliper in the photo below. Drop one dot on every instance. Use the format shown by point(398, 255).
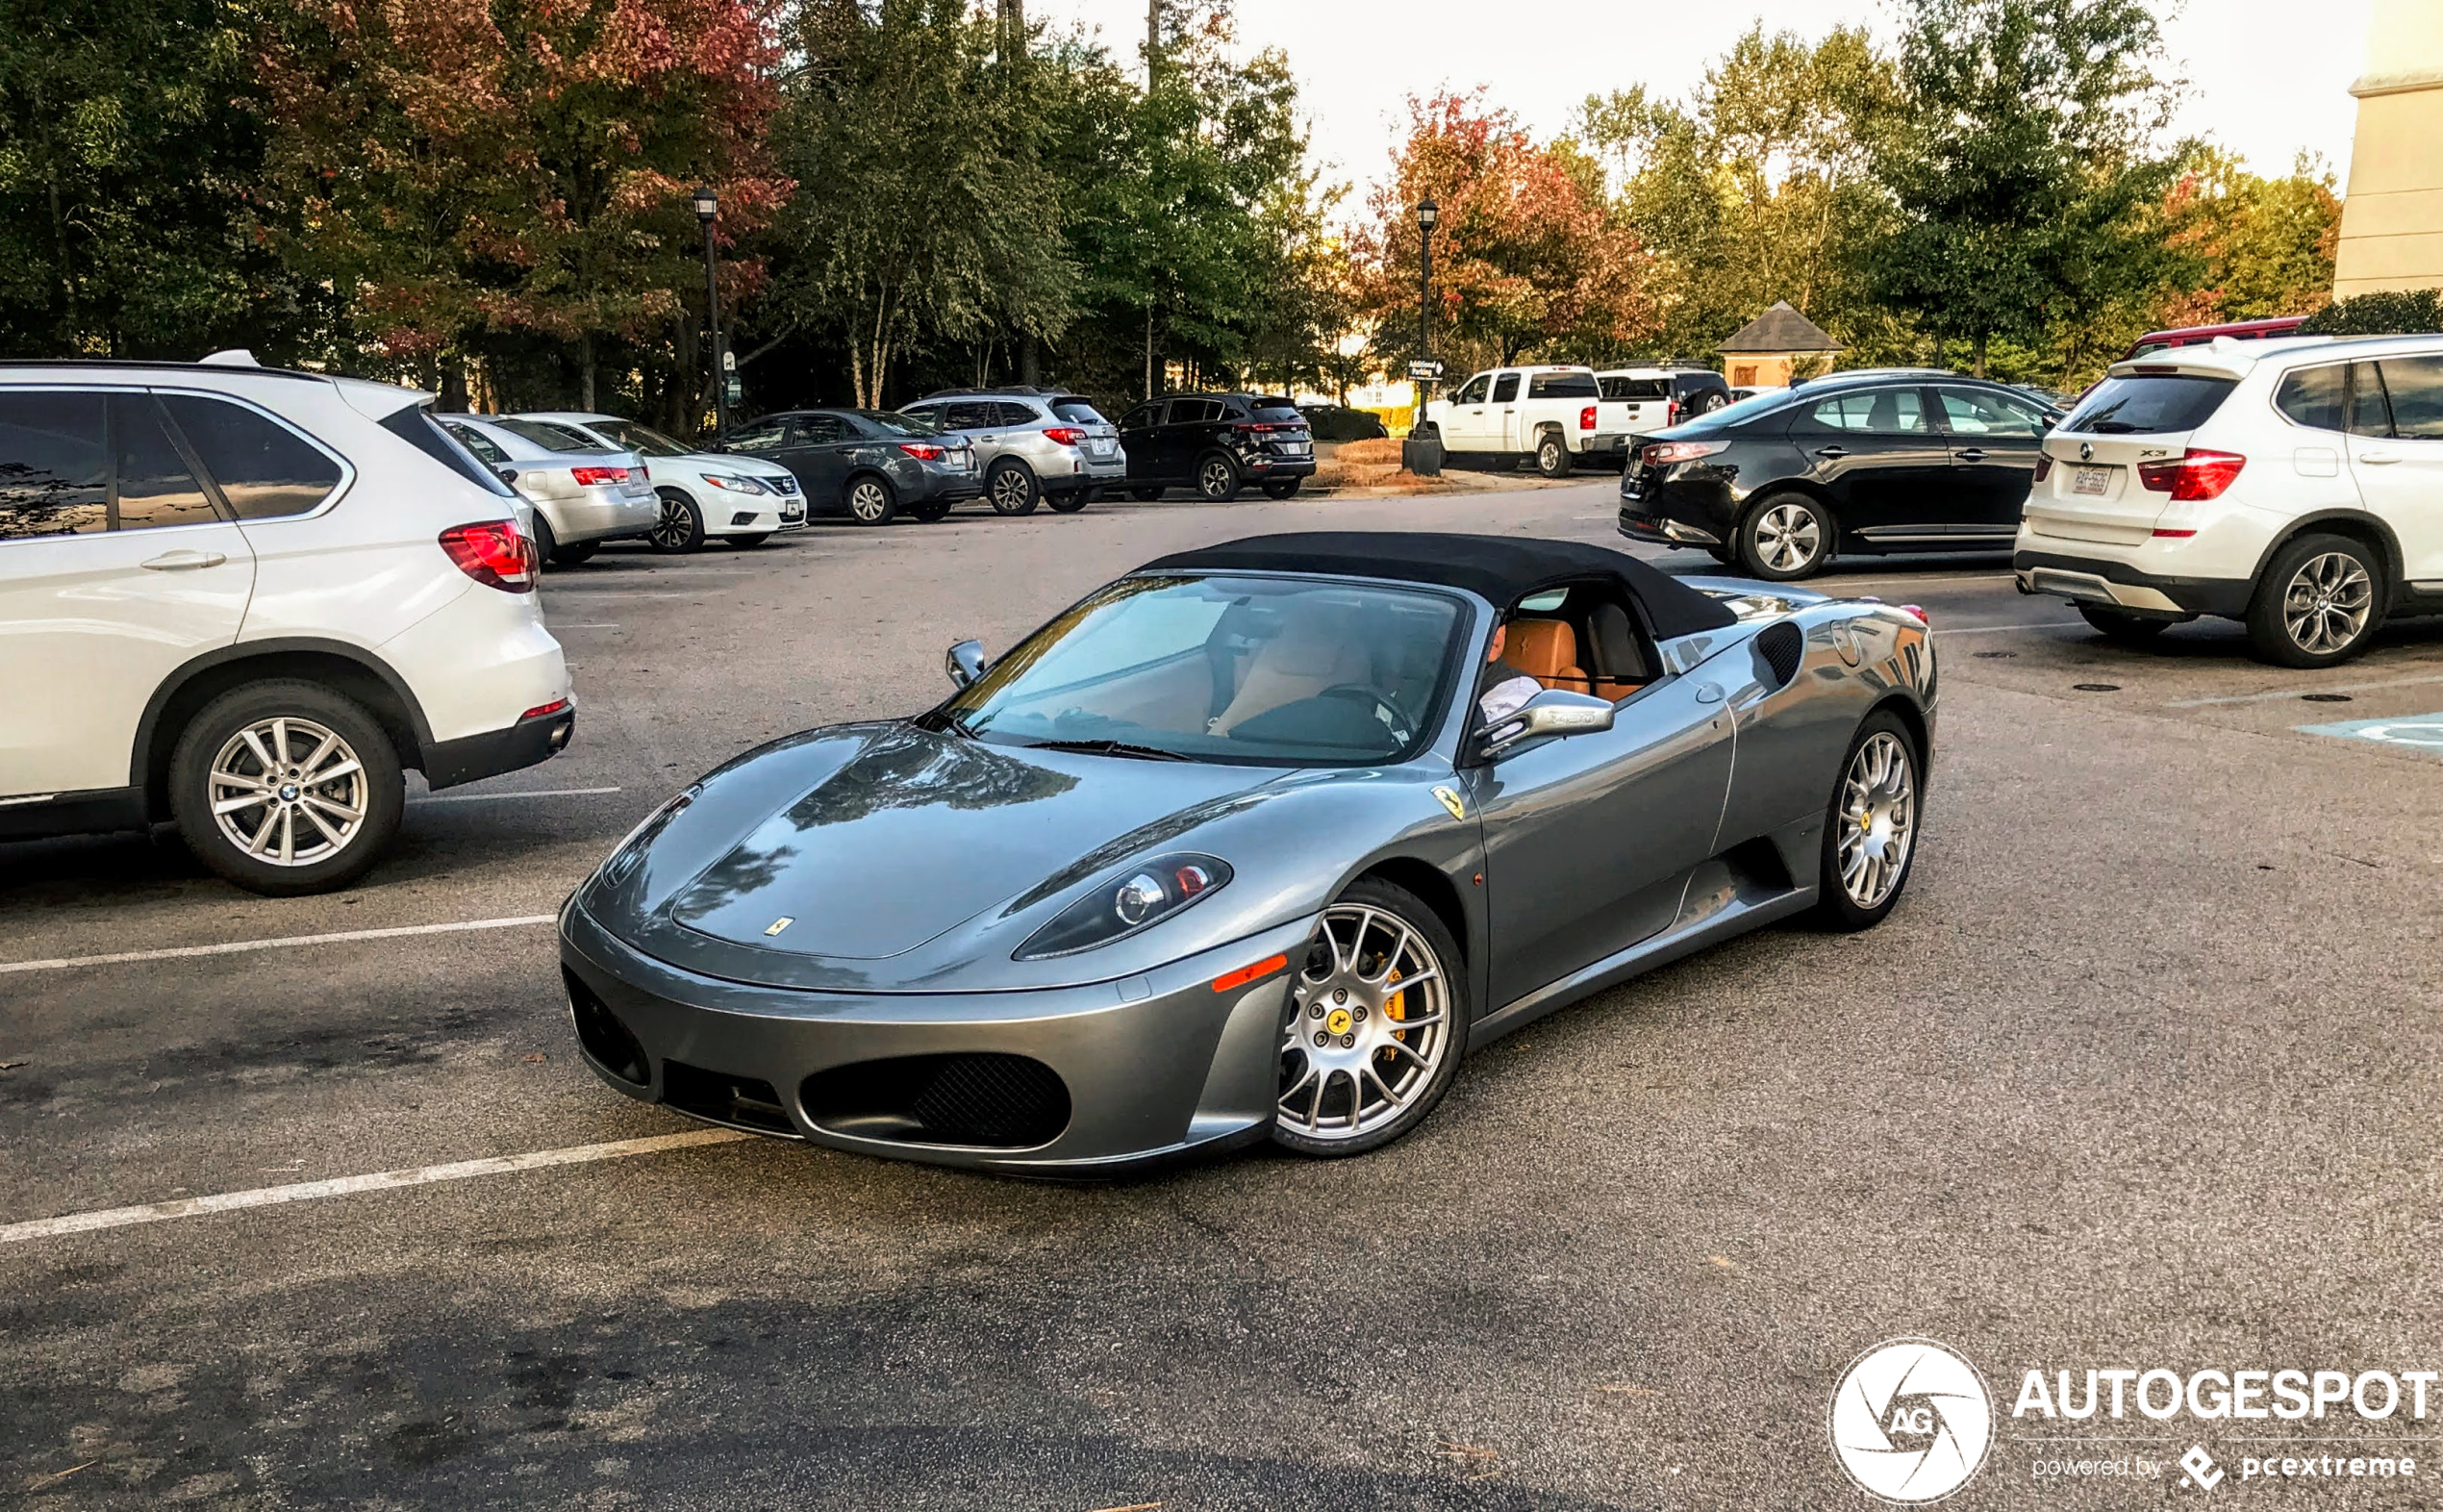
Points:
point(1395, 1009)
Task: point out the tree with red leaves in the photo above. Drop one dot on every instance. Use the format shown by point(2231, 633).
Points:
point(474, 167)
point(1528, 258)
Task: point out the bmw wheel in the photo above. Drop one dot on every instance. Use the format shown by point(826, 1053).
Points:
point(681, 527)
point(872, 500)
point(286, 787)
point(2320, 602)
point(1870, 832)
point(1785, 536)
point(1012, 487)
point(1217, 479)
point(1377, 1020)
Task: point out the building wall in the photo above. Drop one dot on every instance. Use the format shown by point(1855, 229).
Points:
point(2392, 221)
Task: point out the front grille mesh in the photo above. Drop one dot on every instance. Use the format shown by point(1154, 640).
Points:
point(996, 1101)
point(1781, 647)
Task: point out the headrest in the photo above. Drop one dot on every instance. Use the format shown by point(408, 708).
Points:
point(1540, 647)
point(1616, 654)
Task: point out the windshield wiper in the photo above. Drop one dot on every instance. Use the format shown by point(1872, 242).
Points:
point(1109, 748)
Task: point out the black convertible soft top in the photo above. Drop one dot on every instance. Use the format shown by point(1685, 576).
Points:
point(1502, 568)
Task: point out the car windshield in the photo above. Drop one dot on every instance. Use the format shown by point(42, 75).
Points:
point(641, 438)
point(891, 422)
point(2150, 404)
point(1264, 671)
point(1078, 412)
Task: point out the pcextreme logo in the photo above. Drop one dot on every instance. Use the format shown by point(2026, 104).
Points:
point(1911, 1421)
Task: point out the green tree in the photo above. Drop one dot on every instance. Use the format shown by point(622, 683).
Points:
point(2022, 165)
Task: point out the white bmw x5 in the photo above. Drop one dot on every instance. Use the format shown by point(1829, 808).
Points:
point(2295, 485)
point(244, 599)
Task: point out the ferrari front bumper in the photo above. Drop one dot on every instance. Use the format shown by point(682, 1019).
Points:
point(1073, 1080)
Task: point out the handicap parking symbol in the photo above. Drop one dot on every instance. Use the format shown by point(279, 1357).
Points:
point(2414, 731)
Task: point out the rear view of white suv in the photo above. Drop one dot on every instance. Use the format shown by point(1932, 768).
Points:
point(2294, 485)
point(244, 600)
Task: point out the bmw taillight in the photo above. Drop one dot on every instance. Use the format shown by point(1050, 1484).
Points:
point(1586, 419)
point(493, 554)
point(1065, 435)
point(595, 477)
point(2044, 466)
point(926, 451)
point(2192, 475)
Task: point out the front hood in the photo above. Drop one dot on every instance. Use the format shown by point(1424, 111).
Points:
point(894, 853)
point(726, 463)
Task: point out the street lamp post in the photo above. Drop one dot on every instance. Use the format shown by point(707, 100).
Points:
point(706, 205)
point(1419, 456)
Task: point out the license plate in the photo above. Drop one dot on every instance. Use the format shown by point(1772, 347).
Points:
point(1295, 448)
point(794, 512)
point(1098, 448)
point(2093, 482)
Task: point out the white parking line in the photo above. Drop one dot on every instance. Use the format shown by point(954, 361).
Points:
point(233, 947)
point(532, 792)
point(380, 1180)
point(2293, 692)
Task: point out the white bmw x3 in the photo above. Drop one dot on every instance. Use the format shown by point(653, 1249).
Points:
point(2293, 485)
point(244, 600)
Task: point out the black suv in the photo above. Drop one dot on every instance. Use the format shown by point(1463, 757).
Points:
point(1871, 461)
point(1216, 444)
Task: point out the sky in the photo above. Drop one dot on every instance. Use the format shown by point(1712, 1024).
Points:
point(2264, 80)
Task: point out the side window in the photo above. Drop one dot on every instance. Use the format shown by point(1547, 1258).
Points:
point(2369, 414)
point(1505, 388)
point(478, 443)
point(155, 487)
point(1145, 416)
point(1473, 391)
point(819, 430)
point(2415, 386)
point(1019, 415)
point(2312, 396)
point(264, 470)
point(1194, 412)
point(55, 477)
point(967, 417)
point(1879, 412)
point(761, 436)
point(1968, 411)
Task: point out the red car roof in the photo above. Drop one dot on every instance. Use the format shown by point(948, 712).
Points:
point(2199, 335)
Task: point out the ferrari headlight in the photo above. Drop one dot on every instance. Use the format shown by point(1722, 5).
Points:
point(736, 485)
point(1141, 898)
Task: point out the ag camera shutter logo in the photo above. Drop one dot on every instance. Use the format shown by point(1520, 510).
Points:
point(1911, 1421)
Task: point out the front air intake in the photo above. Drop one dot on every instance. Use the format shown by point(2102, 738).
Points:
point(994, 1101)
point(606, 1040)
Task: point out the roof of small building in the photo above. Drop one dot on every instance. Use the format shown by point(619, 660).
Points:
point(1780, 329)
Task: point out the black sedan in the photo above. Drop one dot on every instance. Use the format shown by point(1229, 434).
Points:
point(869, 465)
point(1216, 444)
point(1872, 461)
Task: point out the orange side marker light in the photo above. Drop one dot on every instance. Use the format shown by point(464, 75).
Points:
point(1248, 973)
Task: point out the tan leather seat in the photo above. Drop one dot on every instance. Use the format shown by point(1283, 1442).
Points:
point(1316, 648)
point(1546, 651)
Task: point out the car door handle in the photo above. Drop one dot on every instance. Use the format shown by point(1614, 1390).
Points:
point(185, 560)
point(1973, 454)
point(1710, 693)
point(1833, 453)
point(2379, 459)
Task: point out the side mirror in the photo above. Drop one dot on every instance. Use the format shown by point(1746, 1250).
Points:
point(965, 663)
point(507, 474)
point(1554, 712)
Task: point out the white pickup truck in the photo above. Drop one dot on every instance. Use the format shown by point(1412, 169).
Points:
point(1553, 414)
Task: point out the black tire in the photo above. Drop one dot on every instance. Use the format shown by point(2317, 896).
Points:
point(1281, 487)
point(215, 738)
point(1071, 502)
point(1837, 908)
point(870, 498)
point(1011, 488)
point(1723, 555)
point(578, 555)
point(681, 527)
point(2340, 578)
point(1388, 904)
point(1145, 495)
point(1552, 457)
point(1218, 480)
point(1772, 530)
point(2121, 628)
point(930, 512)
point(750, 540)
point(546, 545)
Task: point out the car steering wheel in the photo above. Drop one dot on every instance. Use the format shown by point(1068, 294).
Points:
point(1396, 723)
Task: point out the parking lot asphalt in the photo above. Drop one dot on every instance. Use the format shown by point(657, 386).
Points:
point(2142, 1071)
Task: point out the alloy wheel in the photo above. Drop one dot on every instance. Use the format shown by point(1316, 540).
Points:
point(1877, 820)
point(868, 502)
point(1369, 1023)
point(1013, 492)
point(283, 780)
point(1788, 537)
point(1216, 479)
point(674, 527)
point(2325, 607)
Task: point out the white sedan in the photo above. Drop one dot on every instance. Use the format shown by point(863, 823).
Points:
point(704, 494)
